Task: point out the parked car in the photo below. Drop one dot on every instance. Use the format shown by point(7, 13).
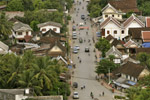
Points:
point(74, 35)
point(77, 47)
point(75, 84)
point(87, 49)
point(82, 16)
point(75, 51)
point(75, 95)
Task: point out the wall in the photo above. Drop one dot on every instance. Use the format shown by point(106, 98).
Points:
point(56, 49)
point(5, 96)
point(20, 97)
point(23, 34)
point(50, 27)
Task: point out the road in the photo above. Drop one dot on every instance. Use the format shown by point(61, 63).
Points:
point(84, 73)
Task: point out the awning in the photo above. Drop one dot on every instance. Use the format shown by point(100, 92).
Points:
point(131, 83)
point(120, 80)
point(70, 67)
point(146, 45)
point(118, 84)
point(125, 86)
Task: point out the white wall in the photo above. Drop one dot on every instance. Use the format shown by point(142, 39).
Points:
point(23, 34)
point(50, 27)
point(20, 97)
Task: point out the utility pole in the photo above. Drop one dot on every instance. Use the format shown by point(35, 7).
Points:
point(109, 75)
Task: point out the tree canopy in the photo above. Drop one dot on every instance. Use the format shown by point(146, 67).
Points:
point(103, 45)
point(29, 71)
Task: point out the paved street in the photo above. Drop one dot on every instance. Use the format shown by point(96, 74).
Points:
point(84, 73)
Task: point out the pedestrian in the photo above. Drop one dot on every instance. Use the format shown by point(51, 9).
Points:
point(81, 87)
point(85, 22)
point(77, 25)
point(76, 14)
point(90, 44)
point(84, 40)
point(89, 54)
point(79, 33)
point(86, 33)
point(80, 60)
point(103, 94)
point(78, 57)
point(84, 86)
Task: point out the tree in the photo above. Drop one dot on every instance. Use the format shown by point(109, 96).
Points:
point(104, 66)
point(133, 92)
point(144, 95)
point(145, 81)
point(144, 59)
point(5, 27)
point(15, 5)
point(103, 45)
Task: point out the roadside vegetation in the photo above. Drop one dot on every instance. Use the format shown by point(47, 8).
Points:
point(28, 71)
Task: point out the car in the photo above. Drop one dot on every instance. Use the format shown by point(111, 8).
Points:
point(74, 35)
point(87, 49)
point(73, 28)
point(75, 51)
point(81, 24)
point(75, 95)
point(75, 84)
point(82, 16)
point(77, 47)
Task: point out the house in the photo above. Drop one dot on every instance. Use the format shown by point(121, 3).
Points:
point(114, 51)
point(125, 6)
point(136, 34)
point(132, 71)
point(44, 27)
point(3, 48)
point(3, 7)
point(50, 47)
point(110, 11)
point(117, 29)
point(117, 43)
point(22, 32)
point(15, 94)
point(13, 14)
point(131, 47)
point(128, 74)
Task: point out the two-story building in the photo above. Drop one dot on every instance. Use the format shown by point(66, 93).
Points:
point(21, 32)
point(44, 27)
point(117, 29)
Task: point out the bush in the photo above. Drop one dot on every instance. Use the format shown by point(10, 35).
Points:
point(68, 17)
point(119, 97)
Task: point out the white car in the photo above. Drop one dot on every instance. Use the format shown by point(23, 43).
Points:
point(81, 24)
point(77, 47)
point(75, 95)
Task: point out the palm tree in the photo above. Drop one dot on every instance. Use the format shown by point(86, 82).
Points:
point(5, 26)
point(44, 74)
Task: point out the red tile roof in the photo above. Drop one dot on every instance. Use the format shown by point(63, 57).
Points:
point(146, 36)
point(147, 21)
point(125, 5)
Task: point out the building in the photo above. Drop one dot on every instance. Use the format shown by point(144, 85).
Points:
point(22, 32)
point(3, 48)
point(59, 97)
point(14, 94)
point(117, 29)
point(44, 27)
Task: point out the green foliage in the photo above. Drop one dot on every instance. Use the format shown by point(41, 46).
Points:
point(127, 15)
point(103, 45)
point(145, 7)
point(145, 81)
point(33, 25)
point(119, 97)
point(5, 27)
point(144, 59)
point(68, 17)
point(15, 5)
point(104, 65)
point(28, 71)
point(136, 93)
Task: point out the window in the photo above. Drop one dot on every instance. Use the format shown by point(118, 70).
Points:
point(20, 33)
point(44, 29)
point(126, 76)
point(112, 15)
point(118, 15)
point(108, 32)
point(55, 29)
point(115, 32)
point(122, 31)
point(27, 33)
point(106, 16)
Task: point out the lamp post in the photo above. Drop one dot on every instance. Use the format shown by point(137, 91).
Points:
point(58, 91)
point(109, 75)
